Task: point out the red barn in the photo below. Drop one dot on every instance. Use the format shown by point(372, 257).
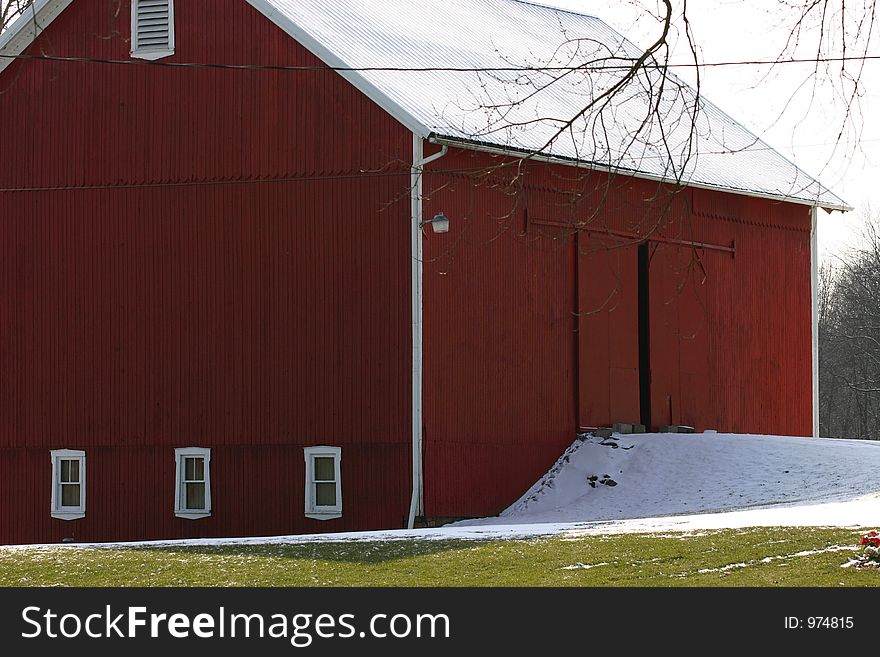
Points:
point(224, 308)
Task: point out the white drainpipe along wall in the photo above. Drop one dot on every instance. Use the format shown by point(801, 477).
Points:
point(814, 289)
point(416, 505)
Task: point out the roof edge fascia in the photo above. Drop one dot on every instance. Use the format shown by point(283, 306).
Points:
point(595, 166)
point(27, 27)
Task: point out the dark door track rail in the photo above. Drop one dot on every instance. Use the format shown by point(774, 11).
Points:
point(609, 232)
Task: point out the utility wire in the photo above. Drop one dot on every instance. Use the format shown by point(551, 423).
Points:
point(250, 181)
point(320, 178)
point(590, 66)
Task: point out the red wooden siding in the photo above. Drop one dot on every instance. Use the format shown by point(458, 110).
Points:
point(499, 341)
point(235, 281)
point(221, 258)
point(760, 362)
point(680, 334)
point(257, 490)
point(608, 331)
point(731, 341)
point(516, 353)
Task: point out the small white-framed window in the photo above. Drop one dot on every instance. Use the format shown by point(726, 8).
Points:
point(323, 482)
point(68, 484)
point(152, 28)
point(192, 486)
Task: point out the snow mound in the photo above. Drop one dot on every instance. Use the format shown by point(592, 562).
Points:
point(650, 475)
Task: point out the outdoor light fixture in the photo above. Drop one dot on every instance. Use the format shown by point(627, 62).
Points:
point(440, 223)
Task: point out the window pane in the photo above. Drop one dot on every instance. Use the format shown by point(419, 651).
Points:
point(70, 495)
point(325, 494)
point(195, 496)
point(69, 471)
point(325, 468)
point(194, 468)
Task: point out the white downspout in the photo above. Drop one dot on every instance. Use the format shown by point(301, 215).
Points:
point(416, 504)
point(814, 290)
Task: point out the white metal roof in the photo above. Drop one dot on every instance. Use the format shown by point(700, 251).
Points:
point(520, 110)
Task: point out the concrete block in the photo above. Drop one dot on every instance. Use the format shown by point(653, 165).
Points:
point(675, 428)
point(621, 427)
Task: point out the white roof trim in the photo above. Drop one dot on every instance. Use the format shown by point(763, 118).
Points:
point(28, 27)
point(593, 166)
point(354, 77)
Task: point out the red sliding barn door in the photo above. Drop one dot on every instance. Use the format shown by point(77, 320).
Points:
point(608, 331)
point(679, 336)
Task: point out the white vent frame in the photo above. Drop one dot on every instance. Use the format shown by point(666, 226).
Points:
point(151, 52)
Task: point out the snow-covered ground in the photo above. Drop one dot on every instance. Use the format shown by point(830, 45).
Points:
point(663, 483)
point(651, 475)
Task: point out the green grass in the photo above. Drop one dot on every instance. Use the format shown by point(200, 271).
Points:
point(768, 557)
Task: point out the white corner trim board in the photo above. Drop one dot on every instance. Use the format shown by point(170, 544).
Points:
point(814, 319)
point(419, 161)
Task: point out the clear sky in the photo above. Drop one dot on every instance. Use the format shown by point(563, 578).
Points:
point(796, 112)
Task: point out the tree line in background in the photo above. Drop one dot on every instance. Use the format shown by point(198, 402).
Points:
point(849, 340)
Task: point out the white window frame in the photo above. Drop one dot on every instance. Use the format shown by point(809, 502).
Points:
point(68, 512)
point(312, 510)
point(151, 53)
point(180, 455)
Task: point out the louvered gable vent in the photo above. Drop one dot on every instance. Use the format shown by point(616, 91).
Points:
point(152, 28)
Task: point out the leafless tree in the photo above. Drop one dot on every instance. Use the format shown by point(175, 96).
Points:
point(611, 81)
point(849, 341)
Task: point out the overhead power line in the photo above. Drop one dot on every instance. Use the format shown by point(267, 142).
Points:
point(589, 66)
point(401, 173)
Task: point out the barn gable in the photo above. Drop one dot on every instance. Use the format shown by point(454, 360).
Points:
point(209, 259)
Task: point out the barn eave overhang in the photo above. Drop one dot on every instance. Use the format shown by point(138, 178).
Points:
point(475, 145)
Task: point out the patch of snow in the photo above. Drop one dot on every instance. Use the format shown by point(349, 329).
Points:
point(584, 566)
point(512, 532)
point(781, 557)
point(723, 569)
point(661, 475)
